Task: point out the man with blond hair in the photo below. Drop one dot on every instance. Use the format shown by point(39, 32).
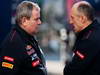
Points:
point(20, 53)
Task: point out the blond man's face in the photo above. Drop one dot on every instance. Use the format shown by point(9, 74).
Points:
point(32, 24)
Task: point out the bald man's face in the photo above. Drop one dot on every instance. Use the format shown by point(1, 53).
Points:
point(78, 19)
point(75, 20)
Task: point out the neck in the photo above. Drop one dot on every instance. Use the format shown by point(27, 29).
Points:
point(86, 24)
point(24, 28)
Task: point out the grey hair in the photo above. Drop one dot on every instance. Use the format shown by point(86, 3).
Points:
point(24, 9)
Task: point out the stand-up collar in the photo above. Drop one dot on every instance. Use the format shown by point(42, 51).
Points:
point(93, 25)
point(23, 32)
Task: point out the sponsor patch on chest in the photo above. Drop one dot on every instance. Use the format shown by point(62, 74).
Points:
point(79, 54)
point(35, 63)
point(30, 50)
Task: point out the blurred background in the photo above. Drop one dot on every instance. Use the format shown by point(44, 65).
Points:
point(55, 37)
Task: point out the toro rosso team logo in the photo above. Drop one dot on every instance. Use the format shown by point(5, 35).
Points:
point(30, 50)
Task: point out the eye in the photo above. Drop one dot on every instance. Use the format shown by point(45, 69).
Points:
point(37, 19)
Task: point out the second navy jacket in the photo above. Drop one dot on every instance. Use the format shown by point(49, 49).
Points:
point(86, 57)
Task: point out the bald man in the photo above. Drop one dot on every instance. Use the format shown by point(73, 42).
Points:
point(86, 51)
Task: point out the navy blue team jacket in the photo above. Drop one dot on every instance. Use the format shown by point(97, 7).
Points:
point(21, 55)
point(86, 57)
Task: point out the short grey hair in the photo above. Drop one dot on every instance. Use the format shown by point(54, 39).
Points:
point(24, 9)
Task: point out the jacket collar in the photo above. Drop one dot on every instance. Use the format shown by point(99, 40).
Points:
point(23, 33)
point(92, 26)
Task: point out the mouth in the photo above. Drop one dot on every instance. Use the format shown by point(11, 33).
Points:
point(72, 26)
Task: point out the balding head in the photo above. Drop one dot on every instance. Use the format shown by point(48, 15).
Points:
point(82, 15)
point(84, 8)
point(81, 3)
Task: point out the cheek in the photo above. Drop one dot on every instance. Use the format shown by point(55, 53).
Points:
point(34, 27)
point(70, 21)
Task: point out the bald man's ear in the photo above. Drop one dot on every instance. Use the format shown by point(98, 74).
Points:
point(83, 19)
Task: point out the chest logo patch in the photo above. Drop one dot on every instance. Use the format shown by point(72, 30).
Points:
point(30, 50)
point(28, 47)
point(35, 63)
point(80, 54)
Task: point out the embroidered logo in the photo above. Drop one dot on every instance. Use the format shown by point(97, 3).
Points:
point(35, 63)
point(7, 65)
point(9, 58)
point(80, 55)
point(28, 47)
point(30, 50)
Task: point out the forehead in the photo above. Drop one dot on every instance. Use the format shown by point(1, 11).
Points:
point(35, 13)
point(74, 11)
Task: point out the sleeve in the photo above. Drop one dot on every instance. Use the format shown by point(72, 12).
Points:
point(83, 60)
point(10, 58)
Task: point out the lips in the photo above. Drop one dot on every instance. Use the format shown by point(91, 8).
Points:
point(72, 26)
